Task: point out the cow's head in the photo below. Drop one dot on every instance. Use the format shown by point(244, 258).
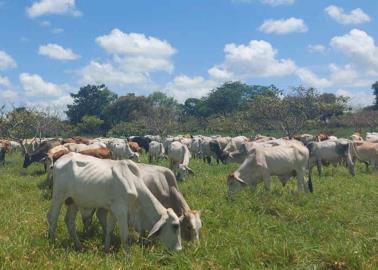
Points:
point(191, 225)
point(183, 171)
point(167, 229)
point(27, 160)
point(235, 183)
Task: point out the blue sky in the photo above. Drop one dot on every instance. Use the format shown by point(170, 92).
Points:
point(49, 48)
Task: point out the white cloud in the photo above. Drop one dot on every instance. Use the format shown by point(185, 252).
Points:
point(9, 95)
point(56, 51)
point(256, 59)
point(359, 47)
point(309, 78)
point(317, 48)
point(183, 87)
point(34, 85)
point(6, 61)
point(357, 98)
point(356, 16)
point(48, 7)
point(135, 44)
point(4, 81)
point(275, 3)
point(57, 30)
point(339, 76)
point(283, 26)
point(97, 73)
point(133, 57)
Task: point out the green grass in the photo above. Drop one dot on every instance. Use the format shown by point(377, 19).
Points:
point(334, 228)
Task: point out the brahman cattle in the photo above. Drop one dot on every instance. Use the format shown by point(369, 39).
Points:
point(179, 156)
point(87, 183)
point(121, 150)
point(283, 161)
point(365, 152)
point(156, 151)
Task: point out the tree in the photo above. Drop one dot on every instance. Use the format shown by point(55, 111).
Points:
point(375, 88)
point(90, 100)
point(90, 125)
point(125, 109)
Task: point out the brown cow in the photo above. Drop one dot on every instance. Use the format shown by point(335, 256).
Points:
point(103, 153)
point(135, 147)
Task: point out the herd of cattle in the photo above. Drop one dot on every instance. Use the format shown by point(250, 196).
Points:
point(104, 175)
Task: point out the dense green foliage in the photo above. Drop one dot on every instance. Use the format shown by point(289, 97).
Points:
point(333, 228)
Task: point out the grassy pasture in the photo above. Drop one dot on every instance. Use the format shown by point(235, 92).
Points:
point(334, 228)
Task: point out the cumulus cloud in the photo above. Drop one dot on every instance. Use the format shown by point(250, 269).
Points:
point(339, 76)
point(357, 98)
point(6, 61)
point(98, 73)
point(355, 16)
point(183, 87)
point(359, 47)
point(283, 26)
point(9, 95)
point(56, 51)
point(118, 42)
point(317, 48)
point(256, 59)
point(34, 85)
point(49, 7)
point(4, 81)
point(134, 56)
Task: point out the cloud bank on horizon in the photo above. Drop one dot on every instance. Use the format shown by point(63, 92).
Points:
point(56, 46)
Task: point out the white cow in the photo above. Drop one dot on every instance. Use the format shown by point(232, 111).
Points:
point(122, 150)
point(86, 183)
point(179, 156)
point(156, 151)
point(282, 161)
point(372, 137)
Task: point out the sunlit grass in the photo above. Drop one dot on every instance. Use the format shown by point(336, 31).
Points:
point(334, 228)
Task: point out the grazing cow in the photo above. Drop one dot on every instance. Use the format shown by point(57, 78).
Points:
point(2, 153)
point(162, 183)
point(122, 150)
point(39, 154)
point(365, 152)
point(330, 152)
point(195, 148)
point(142, 141)
point(135, 147)
point(86, 183)
point(156, 152)
point(282, 161)
point(216, 149)
point(235, 143)
point(179, 156)
point(102, 153)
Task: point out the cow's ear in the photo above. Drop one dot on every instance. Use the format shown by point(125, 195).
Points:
point(156, 228)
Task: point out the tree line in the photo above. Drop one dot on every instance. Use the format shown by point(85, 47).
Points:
point(232, 108)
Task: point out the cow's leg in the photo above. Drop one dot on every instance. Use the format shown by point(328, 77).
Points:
point(350, 165)
point(110, 221)
point(266, 178)
point(120, 212)
point(70, 219)
point(53, 214)
point(87, 217)
point(319, 167)
point(300, 181)
point(208, 160)
point(149, 158)
point(367, 165)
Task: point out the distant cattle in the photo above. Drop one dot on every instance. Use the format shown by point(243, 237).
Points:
point(40, 153)
point(156, 151)
point(135, 147)
point(121, 150)
point(366, 152)
point(142, 141)
point(179, 156)
point(283, 161)
point(102, 153)
point(330, 152)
